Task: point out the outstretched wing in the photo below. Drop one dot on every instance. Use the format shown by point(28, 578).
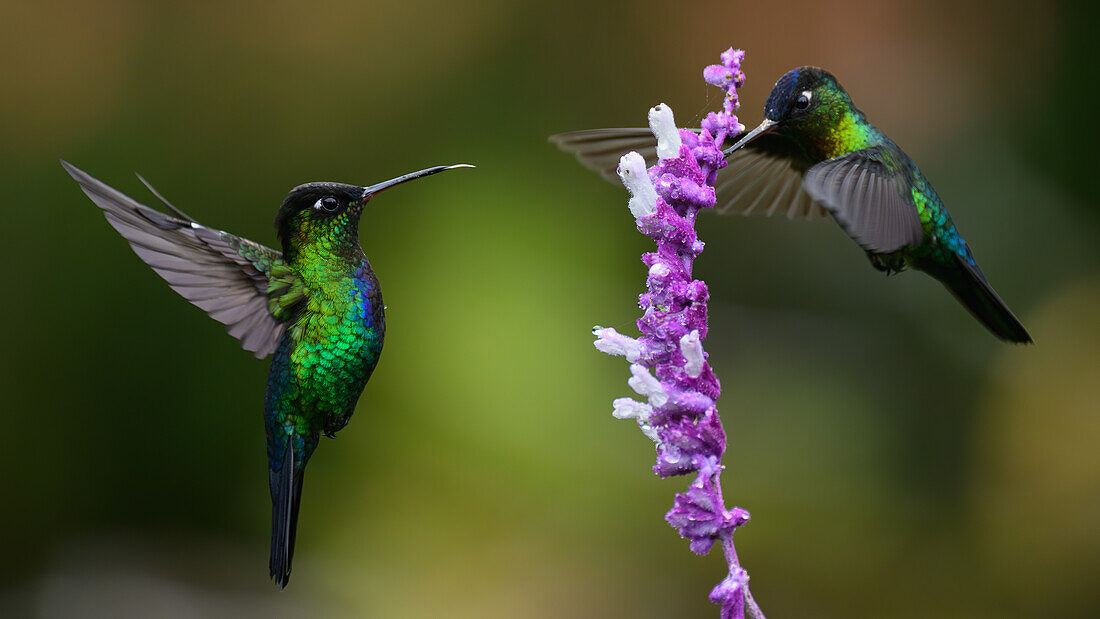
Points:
point(762, 178)
point(863, 192)
point(241, 284)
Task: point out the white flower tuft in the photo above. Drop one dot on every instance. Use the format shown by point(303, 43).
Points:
point(643, 200)
point(612, 342)
point(659, 269)
point(629, 408)
point(692, 349)
point(663, 125)
point(647, 385)
point(650, 432)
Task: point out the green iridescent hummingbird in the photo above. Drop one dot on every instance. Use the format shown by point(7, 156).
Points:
point(814, 154)
point(316, 305)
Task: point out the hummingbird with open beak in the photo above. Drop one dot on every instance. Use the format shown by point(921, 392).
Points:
point(814, 155)
point(316, 305)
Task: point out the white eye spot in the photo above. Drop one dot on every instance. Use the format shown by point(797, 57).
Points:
point(326, 204)
point(803, 100)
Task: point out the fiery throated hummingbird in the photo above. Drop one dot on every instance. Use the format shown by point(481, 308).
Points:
point(816, 153)
point(316, 305)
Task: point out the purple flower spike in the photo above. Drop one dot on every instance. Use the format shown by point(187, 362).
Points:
point(669, 367)
point(729, 77)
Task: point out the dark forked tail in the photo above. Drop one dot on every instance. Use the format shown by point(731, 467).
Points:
point(972, 290)
point(286, 496)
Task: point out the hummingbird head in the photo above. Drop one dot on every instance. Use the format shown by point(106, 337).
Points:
point(316, 211)
point(804, 104)
point(329, 212)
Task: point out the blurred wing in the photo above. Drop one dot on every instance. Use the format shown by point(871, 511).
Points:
point(762, 178)
point(225, 275)
point(599, 150)
point(867, 199)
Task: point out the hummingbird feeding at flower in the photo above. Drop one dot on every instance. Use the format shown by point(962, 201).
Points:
point(316, 306)
point(816, 153)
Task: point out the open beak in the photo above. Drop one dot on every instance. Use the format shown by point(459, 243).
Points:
point(368, 192)
point(764, 127)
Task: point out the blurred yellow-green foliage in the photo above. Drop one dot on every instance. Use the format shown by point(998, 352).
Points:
point(898, 460)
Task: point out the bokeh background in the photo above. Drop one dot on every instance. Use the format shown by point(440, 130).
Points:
point(897, 459)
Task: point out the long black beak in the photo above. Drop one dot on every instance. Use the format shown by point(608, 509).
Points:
point(764, 127)
point(384, 185)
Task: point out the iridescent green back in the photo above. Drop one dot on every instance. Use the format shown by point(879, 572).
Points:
point(851, 132)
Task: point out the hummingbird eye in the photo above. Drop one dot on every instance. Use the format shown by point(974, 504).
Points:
point(328, 205)
point(803, 100)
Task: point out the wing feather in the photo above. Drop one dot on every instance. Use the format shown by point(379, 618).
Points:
point(867, 199)
point(599, 150)
point(766, 172)
point(227, 276)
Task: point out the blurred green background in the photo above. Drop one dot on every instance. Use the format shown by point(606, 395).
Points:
point(897, 459)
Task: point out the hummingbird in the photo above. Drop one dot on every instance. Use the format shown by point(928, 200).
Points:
point(816, 155)
point(316, 306)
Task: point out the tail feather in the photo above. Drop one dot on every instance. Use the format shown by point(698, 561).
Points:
point(972, 290)
point(286, 496)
